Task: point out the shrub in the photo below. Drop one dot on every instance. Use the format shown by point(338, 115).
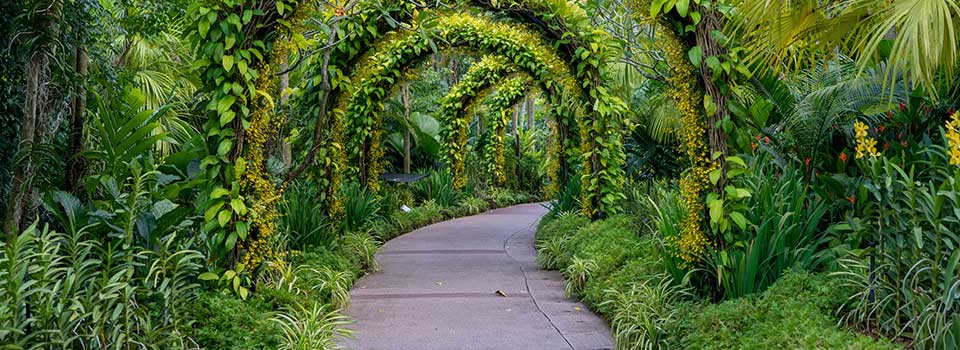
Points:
point(793, 314)
point(907, 280)
point(785, 234)
point(644, 313)
point(332, 285)
point(231, 323)
point(303, 220)
point(52, 286)
point(609, 243)
point(437, 187)
point(361, 247)
point(577, 274)
point(361, 207)
point(551, 237)
point(567, 200)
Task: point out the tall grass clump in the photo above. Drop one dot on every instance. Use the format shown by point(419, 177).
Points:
point(361, 207)
point(303, 220)
point(784, 234)
point(437, 187)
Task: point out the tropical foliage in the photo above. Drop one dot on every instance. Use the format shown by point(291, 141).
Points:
point(218, 173)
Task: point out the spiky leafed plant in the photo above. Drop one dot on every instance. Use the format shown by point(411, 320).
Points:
point(314, 327)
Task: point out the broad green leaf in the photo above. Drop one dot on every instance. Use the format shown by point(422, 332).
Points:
point(715, 175)
point(238, 206)
point(229, 40)
point(203, 27)
point(219, 192)
point(224, 217)
point(682, 7)
point(739, 219)
point(211, 212)
point(208, 276)
point(737, 160)
point(709, 106)
point(695, 54)
point(227, 62)
point(716, 210)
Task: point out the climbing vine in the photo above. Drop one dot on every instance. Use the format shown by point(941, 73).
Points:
point(380, 71)
point(692, 241)
point(454, 125)
point(508, 94)
point(583, 49)
point(236, 43)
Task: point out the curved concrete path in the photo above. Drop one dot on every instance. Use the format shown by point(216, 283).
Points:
point(438, 289)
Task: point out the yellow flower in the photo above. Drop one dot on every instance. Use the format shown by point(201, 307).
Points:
point(866, 146)
point(953, 138)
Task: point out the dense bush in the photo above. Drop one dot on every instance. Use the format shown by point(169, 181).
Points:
point(627, 282)
point(795, 313)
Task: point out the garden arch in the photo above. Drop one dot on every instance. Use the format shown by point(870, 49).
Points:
point(379, 73)
point(599, 129)
point(509, 94)
point(481, 77)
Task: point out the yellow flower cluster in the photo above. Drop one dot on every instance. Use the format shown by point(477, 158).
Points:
point(953, 138)
point(692, 242)
point(263, 195)
point(866, 146)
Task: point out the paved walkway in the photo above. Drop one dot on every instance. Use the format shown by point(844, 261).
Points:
point(437, 289)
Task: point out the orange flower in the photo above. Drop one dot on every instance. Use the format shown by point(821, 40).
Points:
point(766, 140)
point(852, 199)
point(843, 156)
point(807, 161)
point(753, 146)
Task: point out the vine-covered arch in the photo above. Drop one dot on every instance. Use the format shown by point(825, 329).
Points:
point(453, 107)
point(383, 70)
point(509, 94)
point(494, 72)
point(583, 48)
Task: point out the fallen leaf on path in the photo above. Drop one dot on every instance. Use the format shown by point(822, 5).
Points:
point(577, 308)
point(501, 293)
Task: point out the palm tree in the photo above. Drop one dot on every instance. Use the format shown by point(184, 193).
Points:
point(919, 38)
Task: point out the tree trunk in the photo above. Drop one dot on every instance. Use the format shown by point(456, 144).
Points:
point(35, 99)
point(405, 96)
point(531, 114)
point(286, 150)
point(454, 72)
point(24, 170)
point(712, 20)
point(75, 161)
point(516, 139)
